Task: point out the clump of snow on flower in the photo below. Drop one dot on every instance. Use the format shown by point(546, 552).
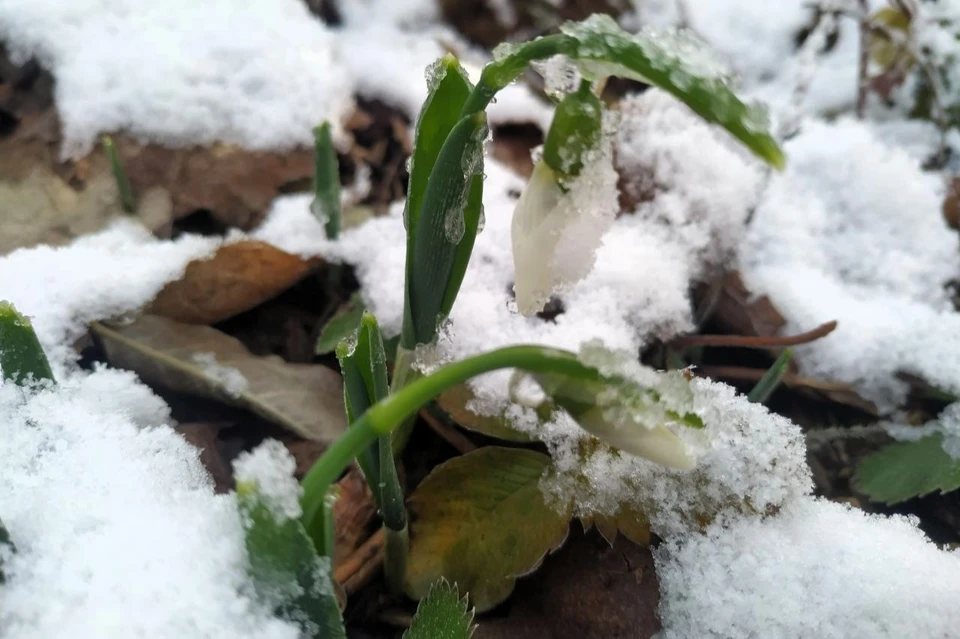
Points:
point(815, 569)
point(270, 469)
point(228, 377)
point(113, 516)
point(853, 231)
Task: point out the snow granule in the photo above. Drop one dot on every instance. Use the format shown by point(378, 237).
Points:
point(853, 231)
point(117, 529)
point(815, 569)
point(270, 467)
point(232, 380)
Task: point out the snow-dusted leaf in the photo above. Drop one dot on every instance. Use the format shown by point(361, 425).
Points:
point(238, 277)
point(286, 569)
point(481, 521)
point(442, 614)
point(341, 325)
point(905, 470)
point(304, 398)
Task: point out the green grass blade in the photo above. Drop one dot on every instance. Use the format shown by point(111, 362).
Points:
point(771, 379)
point(442, 227)
point(340, 326)
point(120, 175)
point(442, 614)
point(326, 181)
point(21, 356)
point(449, 89)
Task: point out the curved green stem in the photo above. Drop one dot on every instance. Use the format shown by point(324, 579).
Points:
point(383, 417)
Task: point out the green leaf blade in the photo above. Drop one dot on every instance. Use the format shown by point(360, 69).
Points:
point(340, 326)
point(22, 359)
point(771, 379)
point(442, 614)
point(326, 182)
point(905, 470)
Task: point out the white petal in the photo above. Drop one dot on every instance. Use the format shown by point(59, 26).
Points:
point(658, 444)
point(535, 233)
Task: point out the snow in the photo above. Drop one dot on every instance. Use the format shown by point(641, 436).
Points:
point(270, 468)
point(815, 569)
point(117, 528)
point(229, 378)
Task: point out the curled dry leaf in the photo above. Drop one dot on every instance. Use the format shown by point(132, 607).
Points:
point(233, 280)
point(306, 399)
point(481, 521)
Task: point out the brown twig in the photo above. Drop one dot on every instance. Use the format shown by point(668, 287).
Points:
point(360, 567)
point(744, 341)
point(448, 433)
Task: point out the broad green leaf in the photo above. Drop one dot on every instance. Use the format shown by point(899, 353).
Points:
point(905, 470)
point(326, 181)
point(444, 231)
point(6, 546)
point(198, 360)
point(21, 356)
point(449, 89)
point(442, 614)
point(286, 570)
point(771, 379)
point(340, 326)
point(601, 48)
point(481, 521)
point(454, 402)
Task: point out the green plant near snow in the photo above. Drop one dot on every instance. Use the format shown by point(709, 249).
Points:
point(290, 547)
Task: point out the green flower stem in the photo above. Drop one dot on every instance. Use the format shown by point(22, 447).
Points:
point(385, 416)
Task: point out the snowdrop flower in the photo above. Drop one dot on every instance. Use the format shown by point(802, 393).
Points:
point(566, 207)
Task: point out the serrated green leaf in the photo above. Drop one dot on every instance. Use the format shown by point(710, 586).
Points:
point(340, 326)
point(442, 614)
point(906, 470)
point(286, 570)
point(449, 89)
point(326, 181)
point(21, 356)
point(445, 230)
point(481, 521)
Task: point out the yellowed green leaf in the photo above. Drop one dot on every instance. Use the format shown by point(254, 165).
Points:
point(198, 360)
point(481, 521)
point(455, 401)
point(628, 522)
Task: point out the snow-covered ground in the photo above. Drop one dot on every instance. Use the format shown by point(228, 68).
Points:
point(117, 528)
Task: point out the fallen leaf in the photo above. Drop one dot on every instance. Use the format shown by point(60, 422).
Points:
point(481, 521)
point(628, 522)
point(586, 590)
point(306, 399)
point(454, 402)
point(738, 312)
point(236, 278)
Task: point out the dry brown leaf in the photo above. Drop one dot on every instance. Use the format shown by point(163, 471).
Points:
point(306, 399)
point(233, 280)
point(586, 590)
point(738, 312)
point(204, 437)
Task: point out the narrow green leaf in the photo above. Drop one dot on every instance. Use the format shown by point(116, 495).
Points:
point(481, 520)
point(287, 571)
point(120, 175)
point(442, 614)
point(771, 379)
point(601, 48)
point(325, 539)
point(575, 130)
point(341, 326)
point(354, 356)
point(21, 356)
point(437, 264)
point(449, 89)
point(326, 181)
point(905, 470)
point(6, 546)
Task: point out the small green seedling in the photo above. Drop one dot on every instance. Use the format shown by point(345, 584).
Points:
point(127, 201)
point(326, 182)
point(442, 614)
